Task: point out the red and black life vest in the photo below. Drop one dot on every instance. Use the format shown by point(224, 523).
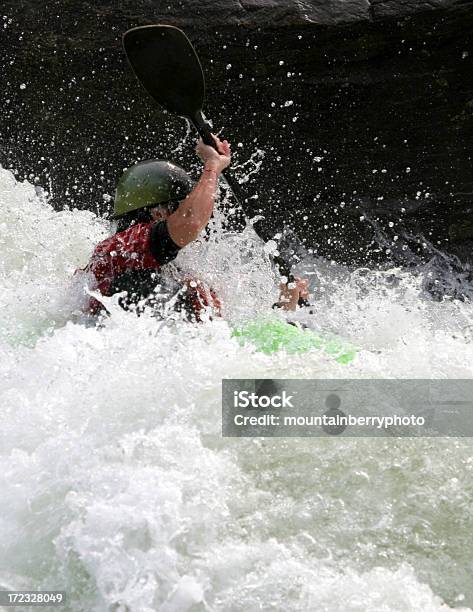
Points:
point(130, 261)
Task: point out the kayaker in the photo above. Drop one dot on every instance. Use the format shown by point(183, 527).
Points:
point(159, 211)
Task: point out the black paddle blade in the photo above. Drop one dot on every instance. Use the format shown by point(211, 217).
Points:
point(167, 65)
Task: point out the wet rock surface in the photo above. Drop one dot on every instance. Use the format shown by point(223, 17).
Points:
point(362, 112)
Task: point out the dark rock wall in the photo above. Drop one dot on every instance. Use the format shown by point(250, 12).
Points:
point(364, 110)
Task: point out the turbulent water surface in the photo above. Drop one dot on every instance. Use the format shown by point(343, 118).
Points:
point(118, 488)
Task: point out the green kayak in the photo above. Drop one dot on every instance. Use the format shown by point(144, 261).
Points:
point(272, 335)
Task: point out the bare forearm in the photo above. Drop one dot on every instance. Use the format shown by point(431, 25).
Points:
point(195, 211)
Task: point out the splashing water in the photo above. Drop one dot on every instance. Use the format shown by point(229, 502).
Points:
point(118, 488)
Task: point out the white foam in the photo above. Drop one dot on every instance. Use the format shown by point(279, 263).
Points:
point(118, 487)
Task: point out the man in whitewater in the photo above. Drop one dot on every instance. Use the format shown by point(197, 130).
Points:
point(159, 212)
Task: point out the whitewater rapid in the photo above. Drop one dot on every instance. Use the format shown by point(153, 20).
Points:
point(118, 488)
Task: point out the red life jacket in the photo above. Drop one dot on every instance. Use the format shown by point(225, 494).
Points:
point(128, 251)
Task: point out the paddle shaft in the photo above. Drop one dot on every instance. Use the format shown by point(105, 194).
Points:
point(204, 130)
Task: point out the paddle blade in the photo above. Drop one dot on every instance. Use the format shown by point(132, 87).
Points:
point(167, 66)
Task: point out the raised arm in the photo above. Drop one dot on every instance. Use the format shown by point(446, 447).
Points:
point(195, 211)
